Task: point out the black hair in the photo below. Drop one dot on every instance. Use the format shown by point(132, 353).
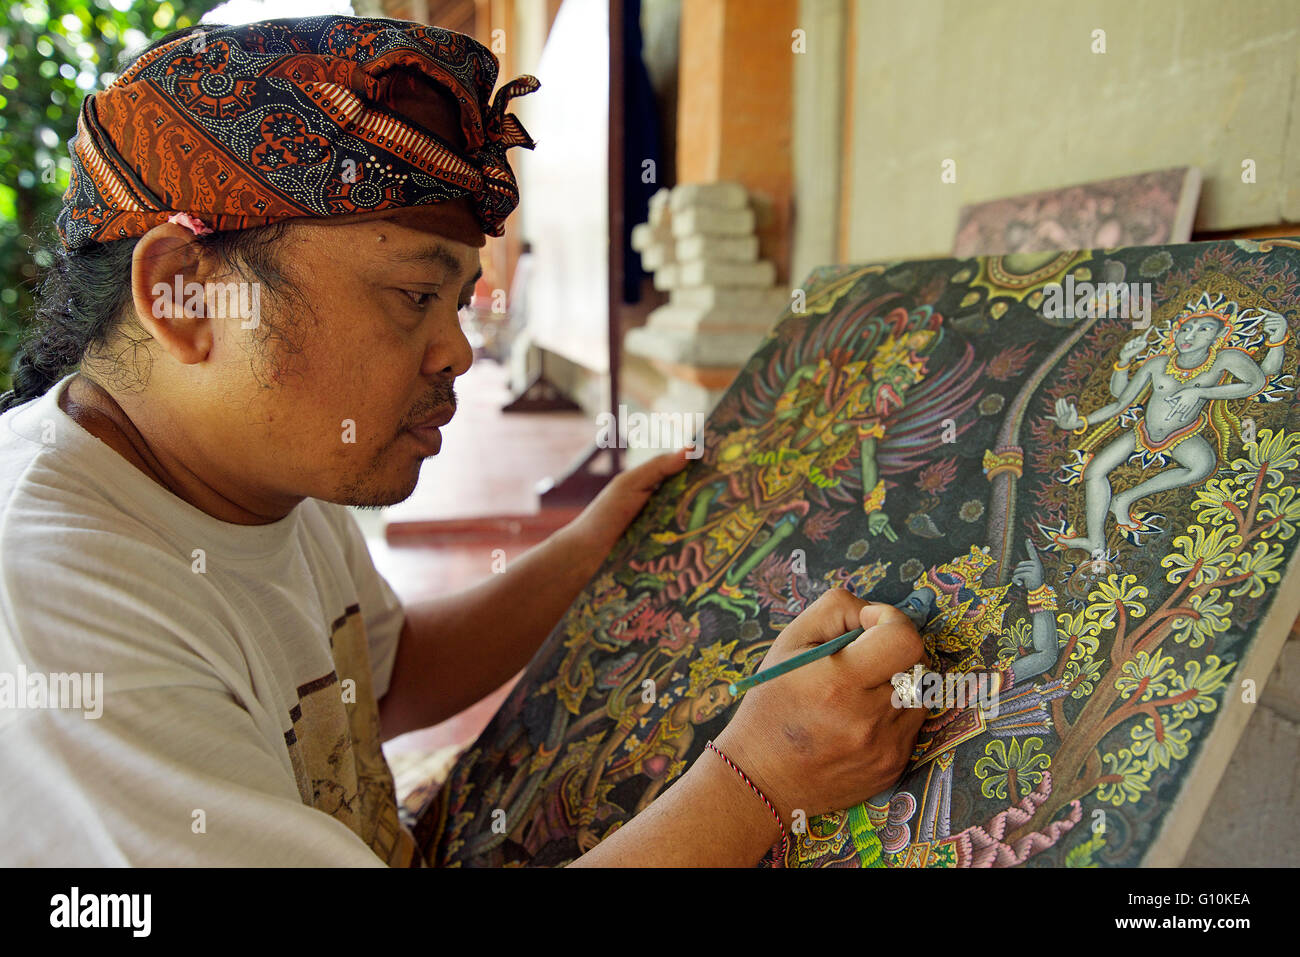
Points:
point(84, 293)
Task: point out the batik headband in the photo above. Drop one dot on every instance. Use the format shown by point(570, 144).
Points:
point(243, 126)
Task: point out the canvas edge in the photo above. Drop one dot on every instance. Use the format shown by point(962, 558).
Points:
point(1180, 231)
point(1188, 807)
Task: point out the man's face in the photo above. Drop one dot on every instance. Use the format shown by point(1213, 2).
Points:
point(337, 415)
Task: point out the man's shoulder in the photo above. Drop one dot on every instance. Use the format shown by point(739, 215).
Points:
point(51, 498)
point(73, 549)
point(46, 467)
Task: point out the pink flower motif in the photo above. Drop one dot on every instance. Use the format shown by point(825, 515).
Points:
point(192, 223)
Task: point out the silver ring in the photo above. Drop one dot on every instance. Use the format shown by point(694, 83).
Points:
point(905, 687)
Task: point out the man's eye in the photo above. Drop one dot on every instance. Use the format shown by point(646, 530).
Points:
point(419, 300)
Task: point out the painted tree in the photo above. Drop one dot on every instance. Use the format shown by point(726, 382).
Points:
point(1118, 653)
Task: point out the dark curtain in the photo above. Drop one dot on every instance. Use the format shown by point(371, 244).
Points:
point(641, 143)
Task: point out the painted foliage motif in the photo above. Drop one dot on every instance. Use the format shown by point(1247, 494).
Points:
point(1089, 514)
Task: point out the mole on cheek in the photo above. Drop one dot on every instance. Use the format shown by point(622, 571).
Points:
point(380, 238)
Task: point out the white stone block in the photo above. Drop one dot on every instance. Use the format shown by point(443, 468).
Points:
point(763, 302)
point(710, 221)
point(642, 236)
point(758, 275)
point(736, 249)
point(656, 256)
point(711, 349)
point(647, 234)
point(659, 203)
point(720, 195)
point(701, 322)
point(666, 277)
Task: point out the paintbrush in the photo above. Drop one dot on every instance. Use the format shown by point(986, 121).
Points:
point(798, 661)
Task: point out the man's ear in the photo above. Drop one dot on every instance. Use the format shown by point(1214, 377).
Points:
point(167, 289)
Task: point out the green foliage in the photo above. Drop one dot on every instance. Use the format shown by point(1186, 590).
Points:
point(1019, 635)
point(1241, 520)
point(1081, 854)
point(52, 53)
point(1011, 771)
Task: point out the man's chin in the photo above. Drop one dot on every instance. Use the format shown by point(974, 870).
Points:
point(376, 495)
point(371, 501)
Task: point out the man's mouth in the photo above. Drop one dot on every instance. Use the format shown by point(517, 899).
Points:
point(437, 419)
point(426, 431)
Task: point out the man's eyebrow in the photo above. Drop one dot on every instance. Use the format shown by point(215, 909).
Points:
point(436, 255)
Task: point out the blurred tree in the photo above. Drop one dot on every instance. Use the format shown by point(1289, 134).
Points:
point(53, 52)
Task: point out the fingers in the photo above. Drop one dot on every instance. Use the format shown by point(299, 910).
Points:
point(1029, 546)
point(646, 476)
point(881, 699)
point(1065, 412)
point(831, 615)
point(907, 720)
point(889, 644)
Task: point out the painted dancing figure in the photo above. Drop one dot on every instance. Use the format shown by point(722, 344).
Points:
point(1195, 368)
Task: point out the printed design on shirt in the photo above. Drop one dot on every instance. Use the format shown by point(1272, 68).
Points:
point(334, 745)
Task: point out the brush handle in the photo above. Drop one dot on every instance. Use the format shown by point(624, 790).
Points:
point(798, 661)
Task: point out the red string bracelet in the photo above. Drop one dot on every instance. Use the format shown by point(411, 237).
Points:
point(785, 838)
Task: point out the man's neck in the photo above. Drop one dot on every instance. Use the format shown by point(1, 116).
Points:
point(95, 409)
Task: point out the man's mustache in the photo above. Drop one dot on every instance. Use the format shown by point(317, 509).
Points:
point(444, 396)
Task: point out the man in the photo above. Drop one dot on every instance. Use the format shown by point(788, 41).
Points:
point(264, 245)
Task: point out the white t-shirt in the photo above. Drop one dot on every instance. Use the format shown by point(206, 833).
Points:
point(240, 666)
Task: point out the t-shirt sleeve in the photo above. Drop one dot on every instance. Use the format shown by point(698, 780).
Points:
point(170, 764)
point(381, 609)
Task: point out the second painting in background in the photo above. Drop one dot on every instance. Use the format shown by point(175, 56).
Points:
point(1143, 210)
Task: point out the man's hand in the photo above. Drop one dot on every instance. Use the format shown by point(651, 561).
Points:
point(1029, 573)
point(827, 736)
point(457, 648)
point(878, 522)
point(594, 532)
point(1184, 400)
point(823, 737)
